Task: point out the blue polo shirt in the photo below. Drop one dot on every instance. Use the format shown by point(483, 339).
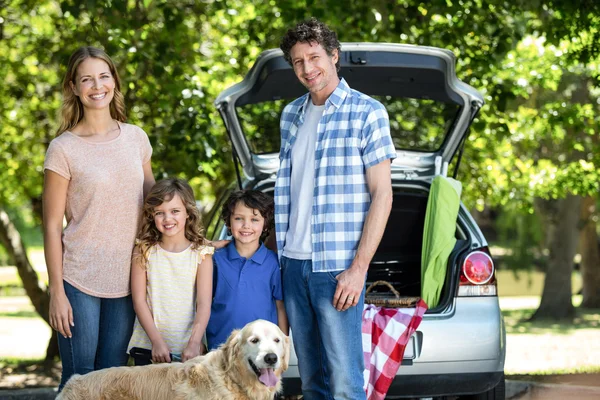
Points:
point(244, 290)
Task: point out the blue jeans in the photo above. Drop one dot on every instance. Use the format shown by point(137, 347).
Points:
point(328, 342)
point(100, 336)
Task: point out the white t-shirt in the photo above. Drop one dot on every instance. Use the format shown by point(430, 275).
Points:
point(298, 241)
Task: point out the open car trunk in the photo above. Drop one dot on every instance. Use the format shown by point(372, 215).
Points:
point(398, 257)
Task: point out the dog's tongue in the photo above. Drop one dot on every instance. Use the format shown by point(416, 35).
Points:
point(268, 377)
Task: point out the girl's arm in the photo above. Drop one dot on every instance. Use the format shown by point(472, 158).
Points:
point(160, 350)
point(203, 300)
point(282, 320)
point(54, 202)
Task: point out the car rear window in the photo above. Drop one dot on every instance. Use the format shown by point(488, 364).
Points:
point(415, 124)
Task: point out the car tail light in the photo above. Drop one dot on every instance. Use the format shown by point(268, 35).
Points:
point(477, 276)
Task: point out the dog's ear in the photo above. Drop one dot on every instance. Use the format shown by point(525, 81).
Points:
point(231, 348)
point(286, 353)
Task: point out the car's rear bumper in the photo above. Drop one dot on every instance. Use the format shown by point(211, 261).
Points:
point(460, 352)
point(426, 385)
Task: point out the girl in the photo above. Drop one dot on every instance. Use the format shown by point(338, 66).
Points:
point(96, 173)
point(171, 276)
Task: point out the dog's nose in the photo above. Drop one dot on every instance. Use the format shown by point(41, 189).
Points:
point(271, 358)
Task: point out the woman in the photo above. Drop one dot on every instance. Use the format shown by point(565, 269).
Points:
point(97, 171)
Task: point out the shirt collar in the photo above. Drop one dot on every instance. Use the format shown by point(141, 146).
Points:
point(258, 257)
point(336, 97)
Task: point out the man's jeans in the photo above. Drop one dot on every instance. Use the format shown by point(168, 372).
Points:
point(100, 336)
point(328, 342)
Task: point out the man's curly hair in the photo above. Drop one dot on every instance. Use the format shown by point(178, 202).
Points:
point(309, 31)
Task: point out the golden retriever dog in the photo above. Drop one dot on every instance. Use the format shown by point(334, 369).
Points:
point(247, 367)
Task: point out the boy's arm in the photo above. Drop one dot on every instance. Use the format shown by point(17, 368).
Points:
point(282, 320)
point(160, 350)
point(203, 301)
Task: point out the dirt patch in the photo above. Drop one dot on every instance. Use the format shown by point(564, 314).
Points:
point(569, 379)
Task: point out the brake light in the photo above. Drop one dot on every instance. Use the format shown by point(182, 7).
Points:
point(477, 275)
point(478, 268)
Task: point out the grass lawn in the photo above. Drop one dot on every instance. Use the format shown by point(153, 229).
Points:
point(527, 283)
point(533, 348)
point(546, 347)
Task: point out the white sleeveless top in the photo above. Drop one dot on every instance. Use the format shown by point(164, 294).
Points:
point(171, 296)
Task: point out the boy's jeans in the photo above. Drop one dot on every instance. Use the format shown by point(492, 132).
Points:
point(100, 336)
point(328, 342)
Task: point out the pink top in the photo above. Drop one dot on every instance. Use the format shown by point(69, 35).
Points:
point(104, 205)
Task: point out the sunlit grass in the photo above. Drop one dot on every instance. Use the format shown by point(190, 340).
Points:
point(527, 283)
point(518, 322)
point(20, 314)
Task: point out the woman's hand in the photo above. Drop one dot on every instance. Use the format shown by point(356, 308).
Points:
point(61, 313)
point(161, 352)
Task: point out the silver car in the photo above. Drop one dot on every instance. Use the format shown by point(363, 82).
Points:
point(458, 350)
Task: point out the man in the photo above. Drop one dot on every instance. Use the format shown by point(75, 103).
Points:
point(333, 197)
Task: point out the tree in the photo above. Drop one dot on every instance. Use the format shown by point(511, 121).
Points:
point(176, 56)
point(590, 254)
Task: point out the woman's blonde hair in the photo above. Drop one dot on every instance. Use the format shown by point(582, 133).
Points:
point(71, 111)
point(162, 191)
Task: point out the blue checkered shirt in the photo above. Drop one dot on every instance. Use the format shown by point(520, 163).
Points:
point(353, 135)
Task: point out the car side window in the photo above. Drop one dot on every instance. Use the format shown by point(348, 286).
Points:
point(215, 224)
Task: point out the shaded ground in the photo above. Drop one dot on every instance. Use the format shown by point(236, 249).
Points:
point(551, 391)
point(574, 386)
point(28, 375)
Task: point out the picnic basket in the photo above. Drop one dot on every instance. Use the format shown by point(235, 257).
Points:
point(383, 299)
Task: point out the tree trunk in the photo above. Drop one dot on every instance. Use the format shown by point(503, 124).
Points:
point(52, 349)
point(590, 255)
point(561, 222)
point(36, 290)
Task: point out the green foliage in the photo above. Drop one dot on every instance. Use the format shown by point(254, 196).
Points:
point(523, 235)
point(534, 61)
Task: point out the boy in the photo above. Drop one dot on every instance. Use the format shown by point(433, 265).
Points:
point(246, 277)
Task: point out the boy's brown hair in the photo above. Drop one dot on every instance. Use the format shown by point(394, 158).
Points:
point(254, 200)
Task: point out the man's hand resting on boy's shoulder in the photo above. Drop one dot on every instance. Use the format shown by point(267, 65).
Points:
point(219, 244)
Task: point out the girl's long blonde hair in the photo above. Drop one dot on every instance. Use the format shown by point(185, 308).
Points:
point(162, 191)
point(71, 111)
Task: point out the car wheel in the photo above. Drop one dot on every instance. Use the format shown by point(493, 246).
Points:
point(496, 393)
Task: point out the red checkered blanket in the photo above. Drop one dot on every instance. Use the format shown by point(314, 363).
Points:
point(385, 334)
